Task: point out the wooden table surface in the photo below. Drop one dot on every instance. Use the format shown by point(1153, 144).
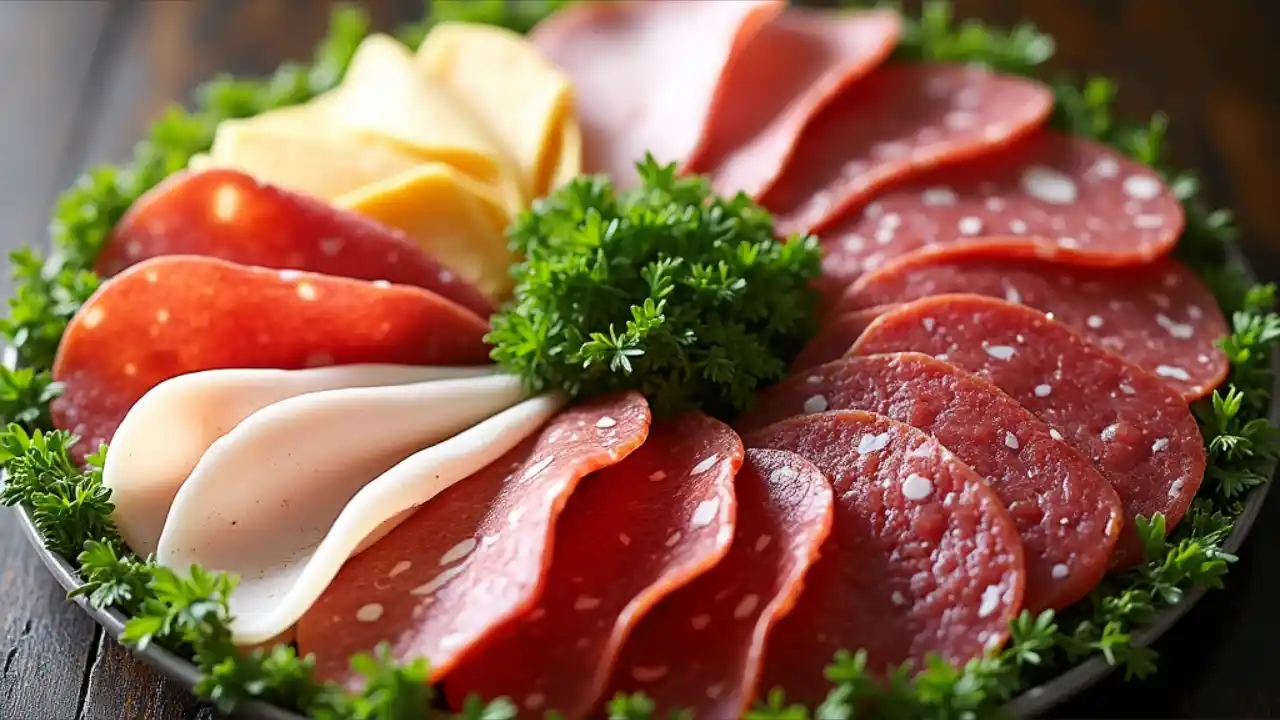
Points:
point(80, 79)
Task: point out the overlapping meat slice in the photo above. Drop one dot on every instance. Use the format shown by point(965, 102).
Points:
point(226, 214)
point(475, 556)
point(1065, 196)
point(898, 122)
point(646, 74)
point(922, 557)
point(797, 64)
point(173, 315)
point(1067, 514)
point(835, 337)
point(630, 535)
point(1135, 428)
point(702, 648)
point(1158, 316)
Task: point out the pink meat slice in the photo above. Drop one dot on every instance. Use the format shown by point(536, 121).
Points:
point(1158, 316)
point(1064, 197)
point(647, 74)
point(1135, 428)
point(1067, 514)
point(897, 123)
point(835, 337)
point(460, 567)
point(793, 68)
point(922, 557)
point(630, 536)
point(702, 648)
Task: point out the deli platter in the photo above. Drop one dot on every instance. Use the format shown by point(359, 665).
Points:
point(642, 359)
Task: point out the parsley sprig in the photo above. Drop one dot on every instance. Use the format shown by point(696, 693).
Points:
point(665, 288)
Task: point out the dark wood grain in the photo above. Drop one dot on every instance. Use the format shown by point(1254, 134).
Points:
point(87, 77)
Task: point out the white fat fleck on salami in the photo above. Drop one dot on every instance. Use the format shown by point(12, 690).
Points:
point(853, 168)
point(606, 422)
point(130, 369)
point(513, 517)
point(705, 465)
point(93, 317)
point(990, 601)
point(917, 487)
point(1159, 444)
point(1042, 390)
point(969, 225)
point(1160, 299)
point(937, 197)
point(996, 204)
point(586, 602)
point(897, 598)
point(674, 538)
point(762, 542)
point(1010, 440)
point(307, 291)
point(1094, 321)
point(382, 283)
point(437, 582)
point(715, 691)
point(1173, 371)
point(1142, 187)
point(854, 243)
point(1148, 222)
point(290, 275)
point(624, 538)
point(1202, 359)
point(705, 512)
point(927, 323)
point(537, 614)
point(1060, 571)
point(331, 246)
point(369, 613)
point(815, 404)
point(1106, 167)
point(1194, 312)
point(658, 475)
point(999, 352)
point(813, 379)
point(746, 606)
point(446, 276)
point(1109, 432)
point(1053, 433)
point(1175, 489)
point(648, 674)
point(535, 701)
point(538, 467)
point(873, 443)
point(226, 203)
point(399, 568)
point(958, 120)
point(1049, 185)
point(1017, 226)
point(1175, 329)
point(700, 622)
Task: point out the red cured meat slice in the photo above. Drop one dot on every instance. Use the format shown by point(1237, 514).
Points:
point(1065, 196)
point(180, 314)
point(1067, 514)
point(229, 215)
point(922, 557)
point(901, 120)
point(1158, 316)
point(835, 337)
point(476, 555)
point(1137, 429)
point(792, 68)
point(646, 74)
point(629, 536)
point(702, 648)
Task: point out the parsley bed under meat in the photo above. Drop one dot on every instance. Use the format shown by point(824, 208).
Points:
point(189, 613)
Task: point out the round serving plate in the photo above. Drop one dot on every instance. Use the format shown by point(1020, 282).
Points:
point(1033, 702)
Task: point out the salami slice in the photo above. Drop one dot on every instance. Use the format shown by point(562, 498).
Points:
point(1158, 316)
point(227, 214)
point(1067, 514)
point(1136, 428)
point(1064, 196)
point(473, 557)
point(647, 74)
point(702, 648)
point(795, 66)
point(898, 122)
point(173, 315)
point(835, 337)
point(922, 557)
point(630, 535)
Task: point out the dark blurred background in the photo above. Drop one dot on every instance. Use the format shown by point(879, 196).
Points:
point(79, 79)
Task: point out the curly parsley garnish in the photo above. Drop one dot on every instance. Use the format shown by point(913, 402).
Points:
point(665, 288)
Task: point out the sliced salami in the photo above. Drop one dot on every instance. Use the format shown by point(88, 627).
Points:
point(1064, 196)
point(173, 315)
point(227, 214)
point(472, 558)
point(1067, 514)
point(1158, 316)
point(796, 65)
point(630, 535)
point(898, 122)
point(835, 337)
point(702, 648)
point(922, 557)
point(646, 75)
point(1135, 427)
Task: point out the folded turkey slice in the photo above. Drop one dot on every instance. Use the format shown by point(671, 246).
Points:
point(165, 433)
point(288, 495)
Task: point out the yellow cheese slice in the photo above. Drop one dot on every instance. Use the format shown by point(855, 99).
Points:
point(454, 218)
point(526, 101)
point(385, 95)
point(324, 162)
point(200, 161)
